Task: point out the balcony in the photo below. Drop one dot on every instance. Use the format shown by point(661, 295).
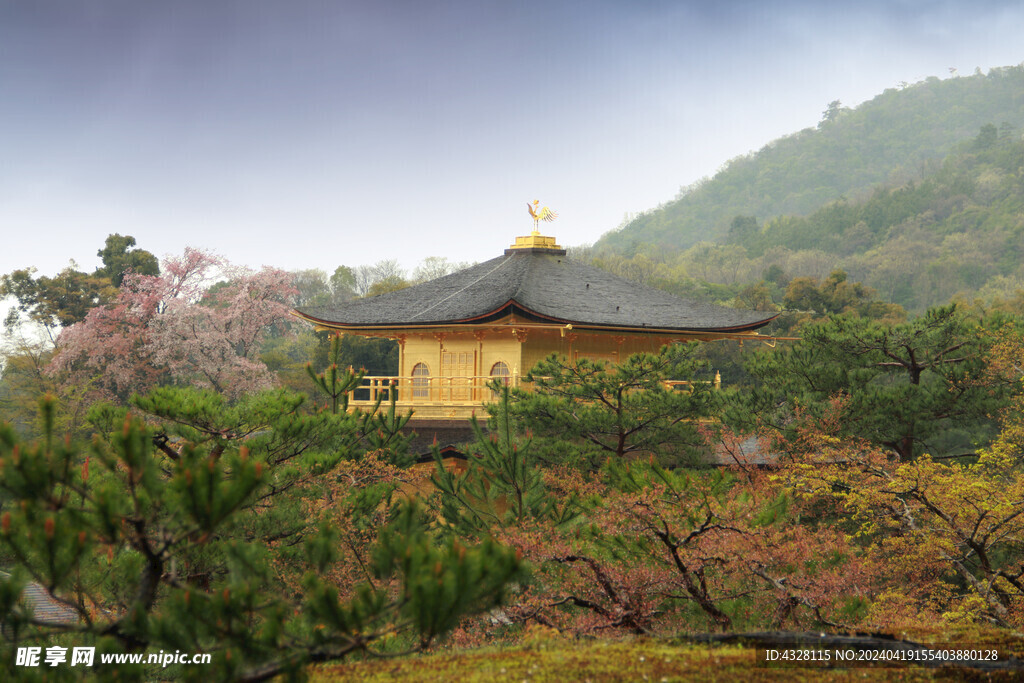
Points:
point(435, 398)
point(450, 398)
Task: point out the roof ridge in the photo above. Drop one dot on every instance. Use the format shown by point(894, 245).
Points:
point(460, 291)
point(527, 273)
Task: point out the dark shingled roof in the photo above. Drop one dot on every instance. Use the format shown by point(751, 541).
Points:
point(539, 285)
point(43, 607)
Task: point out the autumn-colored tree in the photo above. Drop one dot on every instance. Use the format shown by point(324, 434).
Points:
point(1006, 364)
point(642, 549)
point(169, 328)
point(946, 539)
point(730, 544)
point(654, 551)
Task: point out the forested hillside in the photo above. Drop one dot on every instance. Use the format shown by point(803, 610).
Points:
point(956, 233)
point(893, 138)
point(960, 230)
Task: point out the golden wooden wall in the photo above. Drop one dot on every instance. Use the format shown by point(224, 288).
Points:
point(474, 352)
point(482, 349)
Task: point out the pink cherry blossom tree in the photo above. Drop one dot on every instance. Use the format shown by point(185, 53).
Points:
point(176, 328)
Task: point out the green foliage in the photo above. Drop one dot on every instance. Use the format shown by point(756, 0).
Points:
point(374, 356)
point(66, 298)
point(389, 284)
point(916, 194)
point(848, 155)
point(57, 301)
point(743, 229)
point(118, 259)
point(902, 386)
point(855, 608)
point(24, 381)
point(774, 511)
point(342, 284)
point(617, 410)
point(444, 582)
point(336, 386)
point(271, 422)
point(164, 549)
point(503, 484)
point(286, 356)
point(638, 475)
point(315, 288)
point(837, 295)
point(759, 296)
point(382, 431)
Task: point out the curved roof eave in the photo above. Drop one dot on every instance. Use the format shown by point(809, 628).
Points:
point(510, 306)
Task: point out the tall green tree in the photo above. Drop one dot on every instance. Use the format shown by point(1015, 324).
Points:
point(503, 484)
point(119, 259)
point(910, 387)
point(66, 298)
point(58, 301)
point(615, 410)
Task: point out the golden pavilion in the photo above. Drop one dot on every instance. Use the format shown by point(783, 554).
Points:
point(497, 319)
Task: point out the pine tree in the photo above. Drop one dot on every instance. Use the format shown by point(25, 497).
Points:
point(648, 404)
point(909, 387)
point(333, 382)
point(166, 549)
point(380, 431)
point(503, 484)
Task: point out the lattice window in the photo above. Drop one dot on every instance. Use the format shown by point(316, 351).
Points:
point(500, 371)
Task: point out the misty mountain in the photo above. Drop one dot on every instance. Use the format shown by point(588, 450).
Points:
point(898, 137)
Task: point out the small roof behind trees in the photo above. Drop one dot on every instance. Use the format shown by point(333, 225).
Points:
point(538, 284)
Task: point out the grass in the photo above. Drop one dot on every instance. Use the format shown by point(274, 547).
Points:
point(572, 661)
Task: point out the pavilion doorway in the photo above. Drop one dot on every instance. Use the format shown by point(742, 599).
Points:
point(457, 370)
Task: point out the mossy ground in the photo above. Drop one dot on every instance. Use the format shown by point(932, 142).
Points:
point(566, 661)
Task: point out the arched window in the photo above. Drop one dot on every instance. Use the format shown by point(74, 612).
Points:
point(420, 381)
point(499, 371)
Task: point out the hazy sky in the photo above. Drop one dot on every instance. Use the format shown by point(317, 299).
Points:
point(302, 134)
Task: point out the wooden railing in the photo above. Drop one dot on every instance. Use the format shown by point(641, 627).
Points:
point(684, 384)
point(450, 397)
point(429, 396)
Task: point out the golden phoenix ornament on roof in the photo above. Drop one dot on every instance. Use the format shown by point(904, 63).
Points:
point(545, 214)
